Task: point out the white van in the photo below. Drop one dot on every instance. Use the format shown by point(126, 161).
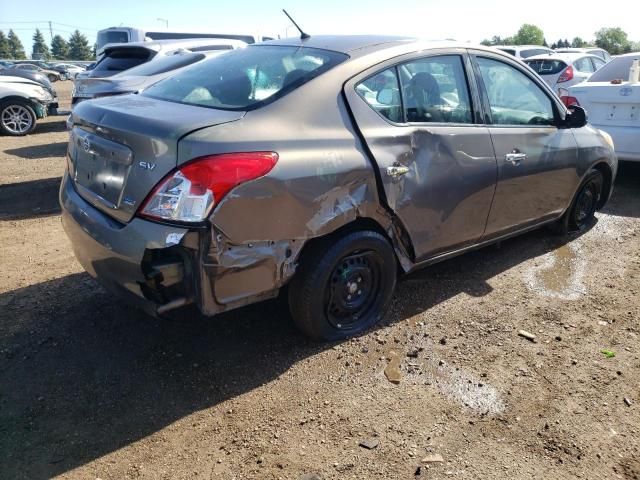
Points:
point(131, 34)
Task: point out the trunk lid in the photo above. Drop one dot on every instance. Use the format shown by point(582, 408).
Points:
point(121, 147)
point(93, 87)
point(608, 104)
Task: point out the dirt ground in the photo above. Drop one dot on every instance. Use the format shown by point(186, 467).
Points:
point(91, 388)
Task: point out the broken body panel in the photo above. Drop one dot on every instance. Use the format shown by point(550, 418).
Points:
point(333, 153)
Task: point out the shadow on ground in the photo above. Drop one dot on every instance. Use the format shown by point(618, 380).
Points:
point(35, 198)
point(83, 375)
point(58, 149)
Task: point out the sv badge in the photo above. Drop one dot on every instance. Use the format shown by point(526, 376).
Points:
point(147, 165)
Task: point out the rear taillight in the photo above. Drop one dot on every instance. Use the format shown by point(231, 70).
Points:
point(569, 101)
point(566, 75)
point(190, 193)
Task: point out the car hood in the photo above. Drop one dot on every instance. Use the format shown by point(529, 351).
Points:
point(12, 79)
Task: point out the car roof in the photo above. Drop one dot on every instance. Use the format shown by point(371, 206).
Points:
point(520, 47)
point(360, 45)
point(160, 45)
point(565, 57)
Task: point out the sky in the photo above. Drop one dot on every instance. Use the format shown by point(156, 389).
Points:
point(462, 20)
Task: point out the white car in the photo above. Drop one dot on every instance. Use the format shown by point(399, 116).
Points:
point(524, 51)
point(561, 70)
point(22, 103)
point(598, 52)
point(72, 70)
point(613, 104)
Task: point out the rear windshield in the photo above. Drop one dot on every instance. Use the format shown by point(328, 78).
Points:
point(533, 51)
point(245, 78)
point(164, 64)
point(546, 66)
point(112, 37)
point(618, 68)
point(124, 59)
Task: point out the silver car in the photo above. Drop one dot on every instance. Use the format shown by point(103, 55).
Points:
point(329, 165)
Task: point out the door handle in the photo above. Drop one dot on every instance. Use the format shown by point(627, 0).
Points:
point(396, 170)
point(515, 157)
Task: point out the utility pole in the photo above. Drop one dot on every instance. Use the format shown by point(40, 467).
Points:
point(50, 31)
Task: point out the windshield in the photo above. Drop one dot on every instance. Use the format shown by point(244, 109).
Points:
point(616, 69)
point(162, 65)
point(111, 36)
point(123, 59)
point(245, 78)
point(546, 66)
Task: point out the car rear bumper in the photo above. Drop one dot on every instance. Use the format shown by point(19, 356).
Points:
point(138, 259)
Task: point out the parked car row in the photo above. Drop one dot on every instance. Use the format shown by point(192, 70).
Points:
point(54, 71)
point(327, 165)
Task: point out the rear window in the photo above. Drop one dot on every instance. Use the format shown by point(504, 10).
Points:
point(112, 37)
point(124, 59)
point(546, 66)
point(245, 78)
point(164, 64)
point(533, 52)
point(618, 68)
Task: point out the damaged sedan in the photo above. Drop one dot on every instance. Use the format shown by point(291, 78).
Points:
point(322, 168)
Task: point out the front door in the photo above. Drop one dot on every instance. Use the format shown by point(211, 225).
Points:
point(419, 119)
point(536, 159)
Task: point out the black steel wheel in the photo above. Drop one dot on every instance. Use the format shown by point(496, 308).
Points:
point(586, 201)
point(344, 286)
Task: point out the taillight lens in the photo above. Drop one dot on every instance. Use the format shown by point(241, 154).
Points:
point(569, 101)
point(190, 193)
point(566, 75)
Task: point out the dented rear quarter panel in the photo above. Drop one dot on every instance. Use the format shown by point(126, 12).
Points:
point(322, 181)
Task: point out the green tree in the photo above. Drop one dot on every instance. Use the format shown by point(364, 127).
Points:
point(5, 48)
point(59, 48)
point(577, 42)
point(529, 35)
point(613, 40)
point(40, 49)
point(79, 48)
point(16, 50)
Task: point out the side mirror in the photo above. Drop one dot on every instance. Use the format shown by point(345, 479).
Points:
point(576, 117)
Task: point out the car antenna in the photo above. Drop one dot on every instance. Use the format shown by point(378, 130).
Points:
point(303, 36)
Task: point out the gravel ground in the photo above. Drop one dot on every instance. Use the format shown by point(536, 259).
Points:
point(445, 388)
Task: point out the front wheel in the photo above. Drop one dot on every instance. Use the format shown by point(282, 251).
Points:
point(583, 208)
point(17, 118)
point(344, 287)
point(52, 77)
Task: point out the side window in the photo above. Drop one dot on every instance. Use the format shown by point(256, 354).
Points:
point(382, 93)
point(514, 98)
point(435, 89)
point(597, 63)
point(584, 65)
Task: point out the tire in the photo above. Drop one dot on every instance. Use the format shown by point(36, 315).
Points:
point(343, 287)
point(581, 213)
point(17, 118)
point(52, 77)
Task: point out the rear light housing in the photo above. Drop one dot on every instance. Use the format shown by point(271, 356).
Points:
point(566, 75)
point(569, 101)
point(189, 193)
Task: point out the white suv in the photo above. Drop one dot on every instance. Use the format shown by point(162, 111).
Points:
point(524, 51)
point(22, 103)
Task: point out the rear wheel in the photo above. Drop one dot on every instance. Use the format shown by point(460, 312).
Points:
point(52, 77)
point(344, 287)
point(17, 118)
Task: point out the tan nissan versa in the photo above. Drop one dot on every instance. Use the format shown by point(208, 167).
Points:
point(327, 164)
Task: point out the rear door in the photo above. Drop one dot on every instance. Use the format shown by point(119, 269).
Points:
point(421, 122)
point(536, 159)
